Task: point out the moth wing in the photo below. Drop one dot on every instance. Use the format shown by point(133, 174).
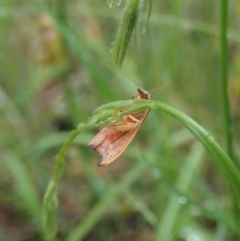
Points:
point(108, 143)
point(111, 150)
point(112, 140)
point(101, 136)
point(110, 132)
point(141, 115)
point(118, 146)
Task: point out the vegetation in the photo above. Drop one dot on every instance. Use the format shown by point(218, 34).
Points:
point(179, 179)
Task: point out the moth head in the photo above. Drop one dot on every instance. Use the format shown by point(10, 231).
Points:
point(143, 94)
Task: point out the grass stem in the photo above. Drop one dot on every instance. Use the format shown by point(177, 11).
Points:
point(224, 76)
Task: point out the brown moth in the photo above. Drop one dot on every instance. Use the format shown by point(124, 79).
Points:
point(112, 140)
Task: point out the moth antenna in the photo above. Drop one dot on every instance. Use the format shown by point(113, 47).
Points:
point(115, 70)
point(124, 75)
point(158, 87)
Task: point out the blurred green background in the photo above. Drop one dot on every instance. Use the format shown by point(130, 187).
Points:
point(53, 73)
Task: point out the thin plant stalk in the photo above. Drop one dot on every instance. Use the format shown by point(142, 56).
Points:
point(224, 77)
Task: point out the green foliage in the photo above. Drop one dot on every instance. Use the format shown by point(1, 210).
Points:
point(165, 185)
point(127, 25)
point(232, 174)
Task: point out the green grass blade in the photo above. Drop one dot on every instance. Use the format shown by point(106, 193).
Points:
point(125, 30)
point(169, 218)
point(102, 116)
point(97, 211)
point(24, 187)
point(224, 76)
point(207, 140)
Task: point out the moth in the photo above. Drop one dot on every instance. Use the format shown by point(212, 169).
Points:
point(112, 140)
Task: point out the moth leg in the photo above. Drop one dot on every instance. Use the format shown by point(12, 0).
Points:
point(134, 119)
point(126, 126)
